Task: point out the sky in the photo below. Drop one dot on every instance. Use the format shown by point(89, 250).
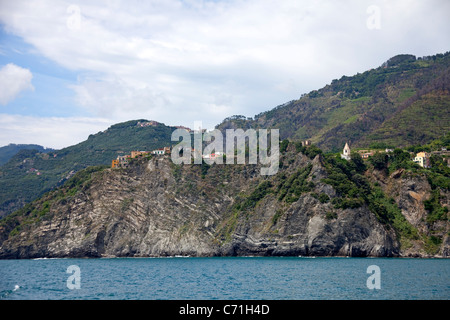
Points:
point(72, 68)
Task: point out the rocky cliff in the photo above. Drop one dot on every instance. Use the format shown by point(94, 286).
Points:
point(157, 208)
point(410, 192)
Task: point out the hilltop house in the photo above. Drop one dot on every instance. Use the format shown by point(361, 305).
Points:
point(121, 161)
point(161, 151)
point(213, 156)
point(422, 159)
point(114, 163)
point(150, 123)
point(346, 152)
point(365, 154)
point(306, 143)
point(135, 154)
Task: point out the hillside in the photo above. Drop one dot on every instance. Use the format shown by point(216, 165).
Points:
point(7, 152)
point(402, 103)
point(316, 205)
point(30, 173)
point(405, 101)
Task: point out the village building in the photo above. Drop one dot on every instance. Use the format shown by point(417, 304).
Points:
point(121, 161)
point(114, 163)
point(135, 154)
point(306, 143)
point(161, 151)
point(150, 123)
point(422, 159)
point(365, 154)
point(346, 152)
point(213, 156)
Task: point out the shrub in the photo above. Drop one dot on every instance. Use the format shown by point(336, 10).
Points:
point(379, 161)
point(277, 216)
point(312, 151)
point(291, 188)
point(434, 208)
point(331, 215)
point(283, 145)
point(259, 193)
point(323, 198)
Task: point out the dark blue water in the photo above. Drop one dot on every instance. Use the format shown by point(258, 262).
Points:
point(225, 278)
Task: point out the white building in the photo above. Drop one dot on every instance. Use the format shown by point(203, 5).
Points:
point(422, 159)
point(161, 151)
point(346, 152)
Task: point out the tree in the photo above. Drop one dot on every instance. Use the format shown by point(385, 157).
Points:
point(379, 161)
point(358, 162)
point(283, 145)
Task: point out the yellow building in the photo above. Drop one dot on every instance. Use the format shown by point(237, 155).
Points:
point(422, 159)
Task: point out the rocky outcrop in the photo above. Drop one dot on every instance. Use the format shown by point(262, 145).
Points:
point(155, 208)
point(410, 190)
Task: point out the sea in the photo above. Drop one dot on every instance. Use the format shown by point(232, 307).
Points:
point(226, 278)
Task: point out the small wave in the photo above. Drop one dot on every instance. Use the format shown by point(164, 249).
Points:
point(4, 294)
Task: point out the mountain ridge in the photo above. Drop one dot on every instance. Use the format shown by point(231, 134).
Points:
point(30, 173)
point(403, 102)
point(7, 152)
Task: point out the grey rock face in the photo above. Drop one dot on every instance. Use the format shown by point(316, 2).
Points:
point(155, 208)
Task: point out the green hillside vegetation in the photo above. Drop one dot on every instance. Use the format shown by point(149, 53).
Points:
point(30, 173)
point(39, 209)
point(350, 179)
point(355, 189)
point(7, 152)
point(403, 102)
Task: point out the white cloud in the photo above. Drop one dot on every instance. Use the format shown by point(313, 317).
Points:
point(13, 80)
point(51, 132)
point(173, 60)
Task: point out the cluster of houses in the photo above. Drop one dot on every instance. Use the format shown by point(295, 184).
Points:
point(421, 158)
point(150, 123)
point(122, 161)
point(365, 154)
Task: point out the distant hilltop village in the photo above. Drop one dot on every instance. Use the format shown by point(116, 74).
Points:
point(123, 161)
point(153, 123)
point(421, 158)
